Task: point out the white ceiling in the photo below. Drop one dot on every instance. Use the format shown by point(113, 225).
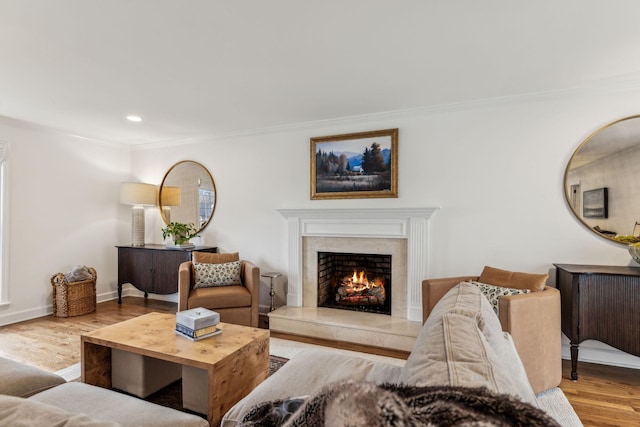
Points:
point(205, 68)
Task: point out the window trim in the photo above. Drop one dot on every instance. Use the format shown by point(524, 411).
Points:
point(4, 224)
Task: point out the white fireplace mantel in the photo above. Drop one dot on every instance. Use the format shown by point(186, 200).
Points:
point(411, 224)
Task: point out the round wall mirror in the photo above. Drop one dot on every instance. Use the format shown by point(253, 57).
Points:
point(601, 181)
point(187, 194)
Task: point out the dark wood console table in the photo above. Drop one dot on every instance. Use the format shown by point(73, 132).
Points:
point(600, 303)
point(153, 268)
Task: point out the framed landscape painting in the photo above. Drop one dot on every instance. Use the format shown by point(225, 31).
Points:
point(356, 165)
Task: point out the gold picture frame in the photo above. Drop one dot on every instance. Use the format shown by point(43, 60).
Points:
point(355, 166)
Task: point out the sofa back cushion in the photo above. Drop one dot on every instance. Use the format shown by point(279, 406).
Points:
point(513, 279)
point(18, 379)
point(462, 344)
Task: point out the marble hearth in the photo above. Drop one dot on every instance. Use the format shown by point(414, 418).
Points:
point(402, 233)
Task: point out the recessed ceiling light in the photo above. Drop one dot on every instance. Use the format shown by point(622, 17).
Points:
point(134, 118)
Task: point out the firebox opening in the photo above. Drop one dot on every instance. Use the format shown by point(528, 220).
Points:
point(358, 282)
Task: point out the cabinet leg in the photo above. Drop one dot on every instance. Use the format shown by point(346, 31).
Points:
point(146, 295)
point(574, 362)
point(119, 293)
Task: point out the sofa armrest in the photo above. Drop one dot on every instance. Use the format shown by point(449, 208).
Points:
point(434, 289)
point(251, 281)
point(534, 322)
point(184, 284)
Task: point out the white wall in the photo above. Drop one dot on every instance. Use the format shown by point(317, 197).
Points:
point(495, 170)
point(63, 211)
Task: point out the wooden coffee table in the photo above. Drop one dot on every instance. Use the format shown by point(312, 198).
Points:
point(236, 361)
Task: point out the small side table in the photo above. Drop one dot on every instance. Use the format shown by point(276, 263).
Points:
point(272, 292)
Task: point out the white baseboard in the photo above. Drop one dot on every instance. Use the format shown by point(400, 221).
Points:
point(603, 354)
point(34, 313)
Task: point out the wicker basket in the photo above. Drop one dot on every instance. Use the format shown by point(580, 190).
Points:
point(75, 298)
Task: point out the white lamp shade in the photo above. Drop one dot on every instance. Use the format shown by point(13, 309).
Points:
point(137, 193)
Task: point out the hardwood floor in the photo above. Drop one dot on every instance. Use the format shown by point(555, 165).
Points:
point(603, 395)
point(53, 343)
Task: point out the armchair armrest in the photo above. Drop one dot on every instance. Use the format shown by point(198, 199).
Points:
point(184, 284)
point(533, 320)
point(434, 289)
point(251, 281)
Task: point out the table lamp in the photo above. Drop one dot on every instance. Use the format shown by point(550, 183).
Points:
point(139, 195)
point(169, 196)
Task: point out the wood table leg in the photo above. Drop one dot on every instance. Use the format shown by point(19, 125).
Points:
point(574, 362)
point(95, 363)
point(233, 378)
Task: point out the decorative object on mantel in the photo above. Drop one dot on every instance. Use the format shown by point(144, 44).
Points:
point(355, 166)
point(138, 195)
point(180, 233)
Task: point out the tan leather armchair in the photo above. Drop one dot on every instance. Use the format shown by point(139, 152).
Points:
point(237, 304)
point(532, 319)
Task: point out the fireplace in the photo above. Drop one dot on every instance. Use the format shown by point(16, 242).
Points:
point(355, 281)
point(401, 232)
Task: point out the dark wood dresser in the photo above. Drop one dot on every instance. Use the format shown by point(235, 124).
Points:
point(153, 268)
point(600, 303)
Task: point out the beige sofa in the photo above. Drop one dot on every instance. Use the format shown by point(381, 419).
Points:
point(30, 396)
point(460, 344)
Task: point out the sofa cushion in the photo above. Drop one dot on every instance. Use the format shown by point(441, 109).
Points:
point(511, 279)
point(493, 293)
point(306, 374)
point(462, 344)
point(103, 404)
point(21, 412)
point(222, 274)
point(220, 297)
point(215, 258)
point(23, 380)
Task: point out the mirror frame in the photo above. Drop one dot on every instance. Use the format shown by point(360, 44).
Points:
point(567, 185)
point(204, 171)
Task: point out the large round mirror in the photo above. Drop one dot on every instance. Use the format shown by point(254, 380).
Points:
point(601, 181)
point(187, 194)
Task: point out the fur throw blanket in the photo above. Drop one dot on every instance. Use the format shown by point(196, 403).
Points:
point(365, 404)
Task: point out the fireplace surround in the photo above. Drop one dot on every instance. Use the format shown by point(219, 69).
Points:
point(345, 229)
point(401, 233)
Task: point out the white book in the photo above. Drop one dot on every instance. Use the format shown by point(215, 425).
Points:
point(217, 331)
point(197, 318)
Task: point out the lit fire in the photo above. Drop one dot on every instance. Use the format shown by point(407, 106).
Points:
point(358, 289)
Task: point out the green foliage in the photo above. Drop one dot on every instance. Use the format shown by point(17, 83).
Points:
point(181, 233)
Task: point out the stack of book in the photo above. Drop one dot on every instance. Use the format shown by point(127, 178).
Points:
point(197, 323)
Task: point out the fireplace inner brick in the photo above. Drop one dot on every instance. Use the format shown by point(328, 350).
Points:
point(335, 290)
